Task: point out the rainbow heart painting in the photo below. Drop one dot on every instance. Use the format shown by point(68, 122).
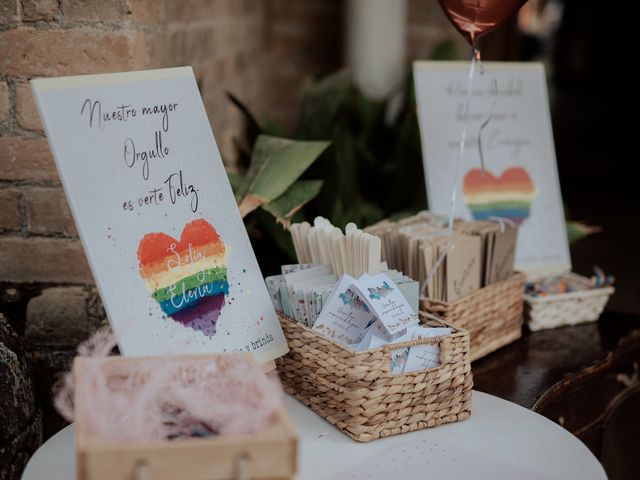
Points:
point(507, 196)
point(188, 278)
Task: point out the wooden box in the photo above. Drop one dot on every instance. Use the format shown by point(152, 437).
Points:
point(269, 454)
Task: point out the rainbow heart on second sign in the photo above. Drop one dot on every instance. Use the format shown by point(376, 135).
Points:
point(188, 278)
point(507, 196)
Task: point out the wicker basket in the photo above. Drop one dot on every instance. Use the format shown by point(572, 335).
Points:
point(492, 315)
point(356, 392)
point(571, 308)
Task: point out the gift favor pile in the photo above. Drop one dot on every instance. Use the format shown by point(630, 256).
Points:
point(466, 273)
point(448, 264)
point(350, 297)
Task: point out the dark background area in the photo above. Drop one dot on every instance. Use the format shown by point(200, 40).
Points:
point(593, 96)
point(593, 90)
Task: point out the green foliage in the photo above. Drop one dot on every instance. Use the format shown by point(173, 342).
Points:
point(276, 163)
point(374, 167)
point(290, 202)
point(372, 170)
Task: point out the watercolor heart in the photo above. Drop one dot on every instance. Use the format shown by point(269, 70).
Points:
point(188, 278)
point(508, 196)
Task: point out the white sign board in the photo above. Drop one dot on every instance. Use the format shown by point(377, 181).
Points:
point(156, 215)
point(509, 126)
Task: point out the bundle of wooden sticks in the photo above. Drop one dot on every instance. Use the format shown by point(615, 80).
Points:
point(353, 252)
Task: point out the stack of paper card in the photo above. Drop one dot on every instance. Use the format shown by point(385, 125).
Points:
point(498, 247)
point(371, 312)
point(387, 230)
point(360, 314)
point(302, 290)
point(449, 264)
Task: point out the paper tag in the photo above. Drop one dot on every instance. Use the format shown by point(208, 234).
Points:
point(386, 302)
point(504, 252)
point(296, 267)
point(418, 357)
point(463, 266)
point(376, 336)
point(273, 286)
point(422, 357)
point(346, 315)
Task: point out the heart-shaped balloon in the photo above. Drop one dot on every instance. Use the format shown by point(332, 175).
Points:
point(474, 18)
point(187, 277)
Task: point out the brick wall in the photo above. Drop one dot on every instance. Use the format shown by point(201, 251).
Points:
point(45, 282)
point(43, 38)
point(221, 39)
point(304, 38)
point(261, 50)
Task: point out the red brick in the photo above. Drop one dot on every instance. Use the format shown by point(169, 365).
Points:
point(10, 218)
point(144, 11)
point(47, 212)
point(27, 114)
point(9, 11)
point(93, 10)
point(51, 260)
point(195, 40)
point(26, 159)
point(34, 10)
point(31, 52)
point(190, 10)
point(5, 102)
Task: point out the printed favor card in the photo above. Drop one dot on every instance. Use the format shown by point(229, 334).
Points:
point(156, 215)
point(346, 315)
point(386, 302)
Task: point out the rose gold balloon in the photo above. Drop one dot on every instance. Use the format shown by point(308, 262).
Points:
point(474, 18)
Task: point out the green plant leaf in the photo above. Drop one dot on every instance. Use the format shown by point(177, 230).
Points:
point(297, 195)
point(276, 163)
point(320, 103)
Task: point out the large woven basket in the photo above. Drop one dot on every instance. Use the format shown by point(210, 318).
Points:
point(582, 306)
point(356, 392)
point(492, 315)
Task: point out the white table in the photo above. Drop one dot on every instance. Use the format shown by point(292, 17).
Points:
point(501, 440)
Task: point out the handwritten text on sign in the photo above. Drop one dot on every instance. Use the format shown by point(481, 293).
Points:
point(156, 214)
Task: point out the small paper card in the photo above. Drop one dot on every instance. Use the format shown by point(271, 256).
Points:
point(156, 215)
point(463, 266)
point(509, 129)
point(346, 315)
point(386, 302)
point(504, 250)
point(418, 357)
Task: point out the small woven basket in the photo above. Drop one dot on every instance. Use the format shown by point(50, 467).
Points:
point(356, 392)
point(492, 315)
point(582, 306)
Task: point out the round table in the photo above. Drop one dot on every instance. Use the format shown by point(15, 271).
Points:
point(501, 440)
